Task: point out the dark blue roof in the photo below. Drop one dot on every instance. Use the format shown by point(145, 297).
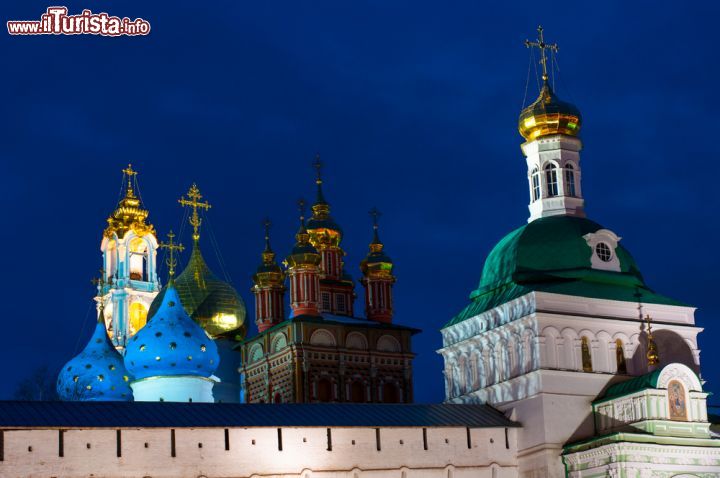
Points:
point(15, 414)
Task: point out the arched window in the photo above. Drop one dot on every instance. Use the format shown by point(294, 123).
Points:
point(138, 256)
point(357, 392)
point(551, 180)
point(620, 357)
point(535, 178)
point(324, 390)
point(138, 317)
point(586, 358)
point(569, 180)
point(390, 393)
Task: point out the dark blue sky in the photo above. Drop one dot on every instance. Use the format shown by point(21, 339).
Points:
point(413, 106)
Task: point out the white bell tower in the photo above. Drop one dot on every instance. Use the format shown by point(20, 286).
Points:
point(554, 176)
point(129, 248)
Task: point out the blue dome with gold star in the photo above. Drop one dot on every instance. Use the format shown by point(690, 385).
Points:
point(95, 374)
point(171, 343)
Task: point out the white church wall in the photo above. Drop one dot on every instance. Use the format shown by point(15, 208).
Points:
point(285, 452)
point(525, 358)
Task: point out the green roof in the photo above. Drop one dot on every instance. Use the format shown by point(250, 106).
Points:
point(551, 255)
point(635, 384)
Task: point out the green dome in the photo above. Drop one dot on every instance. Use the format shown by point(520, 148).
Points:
point(547, 249)
point(551, 255)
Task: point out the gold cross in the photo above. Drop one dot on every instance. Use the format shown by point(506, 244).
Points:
point(652, 353)
point(171, 247)
point(100, 283)
point(130, 173)
point(194, 202)
point(317, 164)
point(542, 46)
point(301, 208)
point(267, 225)
point(375, 213)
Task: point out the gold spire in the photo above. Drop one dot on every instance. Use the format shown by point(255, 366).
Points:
point(130, 173)
point(129, 213)
point(269, 272)
point(317, 164)
point(375, 245)
point(324, 231)
point(193, 201)
point(303, 253)
point(302, 234)
point(653, 357)
point(376, 264)
point(268, 255)
point(170, 245)
point(542, 46)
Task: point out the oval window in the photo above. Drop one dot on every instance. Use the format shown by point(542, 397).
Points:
point(604, 252)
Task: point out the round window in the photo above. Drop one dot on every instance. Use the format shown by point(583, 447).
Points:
point(604, 252)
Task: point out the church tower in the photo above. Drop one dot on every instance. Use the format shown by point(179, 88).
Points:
point(378, 278)
point(337, 291)
point(129, 249)
point(561, 310)
point(304, 272)
point(552, 147)
point(269, 288)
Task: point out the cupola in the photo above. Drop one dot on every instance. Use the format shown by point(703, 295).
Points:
point(97, 373)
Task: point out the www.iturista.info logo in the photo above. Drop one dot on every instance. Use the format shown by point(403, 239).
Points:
point(56, 21)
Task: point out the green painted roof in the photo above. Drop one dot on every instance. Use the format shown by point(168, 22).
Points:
point(551, 255)
point(635, 384)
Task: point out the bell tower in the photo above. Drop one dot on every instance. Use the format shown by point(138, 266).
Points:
point(129, 249)
point(269, 288)
point(551, 127)
point(303, 269)
point(378, 278)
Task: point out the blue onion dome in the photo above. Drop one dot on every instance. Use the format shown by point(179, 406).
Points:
point(97, 373)
point(211, 302)
point(171, 343)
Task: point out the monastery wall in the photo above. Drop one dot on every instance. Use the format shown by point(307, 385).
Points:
point(260, 452)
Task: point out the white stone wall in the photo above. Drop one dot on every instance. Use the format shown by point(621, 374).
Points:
point(255, 452)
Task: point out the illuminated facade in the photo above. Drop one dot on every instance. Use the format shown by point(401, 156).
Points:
point(316, 355)
point(563, 363)
point(559, 333)
point(129, 249)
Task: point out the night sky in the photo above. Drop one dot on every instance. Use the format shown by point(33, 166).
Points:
point(413, 107)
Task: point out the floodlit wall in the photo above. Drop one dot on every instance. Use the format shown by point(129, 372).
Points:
point(260, 452)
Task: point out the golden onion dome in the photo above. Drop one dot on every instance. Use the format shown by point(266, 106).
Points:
point(269, 273)
point(377, 264)
point(549, 115)
point(129, 215)
point(303, 254)
point(323, 230)
point(211, 302)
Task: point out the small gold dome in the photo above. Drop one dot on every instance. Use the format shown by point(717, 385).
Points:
point(549, 115)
